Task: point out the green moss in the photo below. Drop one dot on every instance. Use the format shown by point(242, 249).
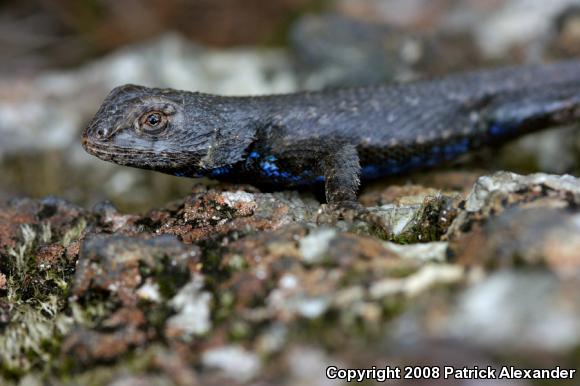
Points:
point(32, 335)
point(241, 330)
point(426, 225)
point(37, 298)
point(22, 254)
point(74, 233)
point(138, 363)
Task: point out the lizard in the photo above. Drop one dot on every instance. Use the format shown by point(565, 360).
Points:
point(331, 137)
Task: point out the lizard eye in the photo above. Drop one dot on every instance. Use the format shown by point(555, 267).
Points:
point(153, 119)
point(153, 122)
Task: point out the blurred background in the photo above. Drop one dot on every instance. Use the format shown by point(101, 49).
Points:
point(59, 59)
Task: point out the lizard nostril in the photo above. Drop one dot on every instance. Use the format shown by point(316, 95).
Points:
point(101, 133)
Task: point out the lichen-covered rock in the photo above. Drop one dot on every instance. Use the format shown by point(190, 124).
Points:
point(502, 311)
point(539, 237)
point(118, 264)
point(36, 240)
point(233, 285)
point(511, 220)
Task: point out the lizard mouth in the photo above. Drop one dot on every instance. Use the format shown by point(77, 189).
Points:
point(140, 158)
point(103, 152)
point(85, 143)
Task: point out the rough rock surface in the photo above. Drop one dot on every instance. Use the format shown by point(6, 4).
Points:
point(230, 285)
point(233, 285)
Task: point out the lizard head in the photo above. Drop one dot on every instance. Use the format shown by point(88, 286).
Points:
point(160, 129)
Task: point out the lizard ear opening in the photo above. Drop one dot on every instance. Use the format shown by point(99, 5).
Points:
point(228, 147)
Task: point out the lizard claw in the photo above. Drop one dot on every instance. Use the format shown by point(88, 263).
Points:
point(332, 213)
point(350, 213)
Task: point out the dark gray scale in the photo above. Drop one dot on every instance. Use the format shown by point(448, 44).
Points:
point(400, 128)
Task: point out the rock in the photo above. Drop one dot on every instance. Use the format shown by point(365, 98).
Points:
point(319, 44)
point(420, 281)
point(235, 362)
point(215, 214)
point(435, 251)
point(307, 366)
point(519, 312)
point(516, 24)
point(492, 30)
point(419, 218)
point(229, 284)
point(314, 246)
point(115, 263)
point(540, 237)
point(338, 50)
point(235, 282)
point(122, 331)
point(511, 220)
point(193, 307)
point(566, 37)
point(492, 194)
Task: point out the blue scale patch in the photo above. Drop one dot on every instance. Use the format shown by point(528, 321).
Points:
point(221, 171)
point(270, 169)
point(371, 171)
point(454, 149)
point(390, 167)
point(430, 159)
point(498, 129)
point(416, 161)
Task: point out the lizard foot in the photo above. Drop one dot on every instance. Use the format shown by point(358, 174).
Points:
point(350, 213)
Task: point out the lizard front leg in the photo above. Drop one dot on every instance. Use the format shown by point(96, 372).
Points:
point(341, 170)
